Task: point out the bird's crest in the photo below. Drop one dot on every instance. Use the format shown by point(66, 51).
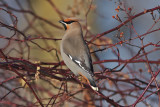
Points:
point(72, 19)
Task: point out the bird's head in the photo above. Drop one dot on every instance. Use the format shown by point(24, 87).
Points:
point(69, 23)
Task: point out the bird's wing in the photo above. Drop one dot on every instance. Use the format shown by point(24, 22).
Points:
point(88, 56)
point(81, 64)
point(79, 54)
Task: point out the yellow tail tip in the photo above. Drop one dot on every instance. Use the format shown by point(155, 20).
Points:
point(94, 88)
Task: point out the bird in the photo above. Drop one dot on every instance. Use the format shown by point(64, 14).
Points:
point(75, 52)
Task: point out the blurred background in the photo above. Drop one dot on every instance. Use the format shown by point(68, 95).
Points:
point(30, 35)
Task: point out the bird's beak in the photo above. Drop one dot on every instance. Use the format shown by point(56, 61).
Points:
point(63, 23)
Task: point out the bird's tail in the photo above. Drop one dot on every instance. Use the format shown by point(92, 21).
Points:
point(93, 84)
point(90, 80)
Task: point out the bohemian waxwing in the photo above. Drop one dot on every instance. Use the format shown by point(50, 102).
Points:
point(75, 52)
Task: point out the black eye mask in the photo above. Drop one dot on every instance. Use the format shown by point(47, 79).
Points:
point(69, 22)
point(66, 22)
